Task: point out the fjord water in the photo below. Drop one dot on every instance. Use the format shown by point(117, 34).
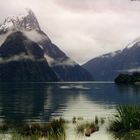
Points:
point(42, 101)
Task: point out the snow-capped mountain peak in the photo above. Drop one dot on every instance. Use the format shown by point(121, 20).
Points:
point(26, 21)
point(110, 55)
point(135, 42)
point(21, 38)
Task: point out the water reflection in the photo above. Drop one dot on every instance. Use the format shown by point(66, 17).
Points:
point(20, 102)
point(35, 102)
point(131, 89)
point(42, 101)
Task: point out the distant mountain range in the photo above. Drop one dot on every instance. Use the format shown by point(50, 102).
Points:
point(27, 53)
point(109, 66)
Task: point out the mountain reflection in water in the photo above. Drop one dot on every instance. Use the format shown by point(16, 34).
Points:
point(43, 101)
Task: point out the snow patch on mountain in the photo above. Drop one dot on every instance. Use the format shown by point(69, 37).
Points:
point(110, 54)
point(7, 25)
point(26, 21)
point(131, 44)
point(41, 47)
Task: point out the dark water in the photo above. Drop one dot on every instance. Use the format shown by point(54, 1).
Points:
point(43, 101)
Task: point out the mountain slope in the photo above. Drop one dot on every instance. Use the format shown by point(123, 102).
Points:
point(108, 66)
point(22, 60)
point(65, 68)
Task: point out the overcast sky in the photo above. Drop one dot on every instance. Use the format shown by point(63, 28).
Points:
point(83, 29)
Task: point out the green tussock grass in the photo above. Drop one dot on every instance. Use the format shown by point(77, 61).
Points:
point(54, 130)
point(127, 119)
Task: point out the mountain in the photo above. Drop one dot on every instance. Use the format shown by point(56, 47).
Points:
point(40, 46)
point(23, 60)
point(109, 66)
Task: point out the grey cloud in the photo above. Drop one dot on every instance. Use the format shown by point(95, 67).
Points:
point(98, 5)
point(83, 28)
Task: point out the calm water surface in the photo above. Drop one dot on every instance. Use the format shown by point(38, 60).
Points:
point(43, 101)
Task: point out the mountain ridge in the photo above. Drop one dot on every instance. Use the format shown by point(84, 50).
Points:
point(65, 68)
point(108, 66)
point(22, 60)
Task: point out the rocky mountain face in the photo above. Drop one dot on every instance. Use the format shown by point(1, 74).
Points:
point(23, 42)
point(23, 60)
point(25, 21)
point(109, 66)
